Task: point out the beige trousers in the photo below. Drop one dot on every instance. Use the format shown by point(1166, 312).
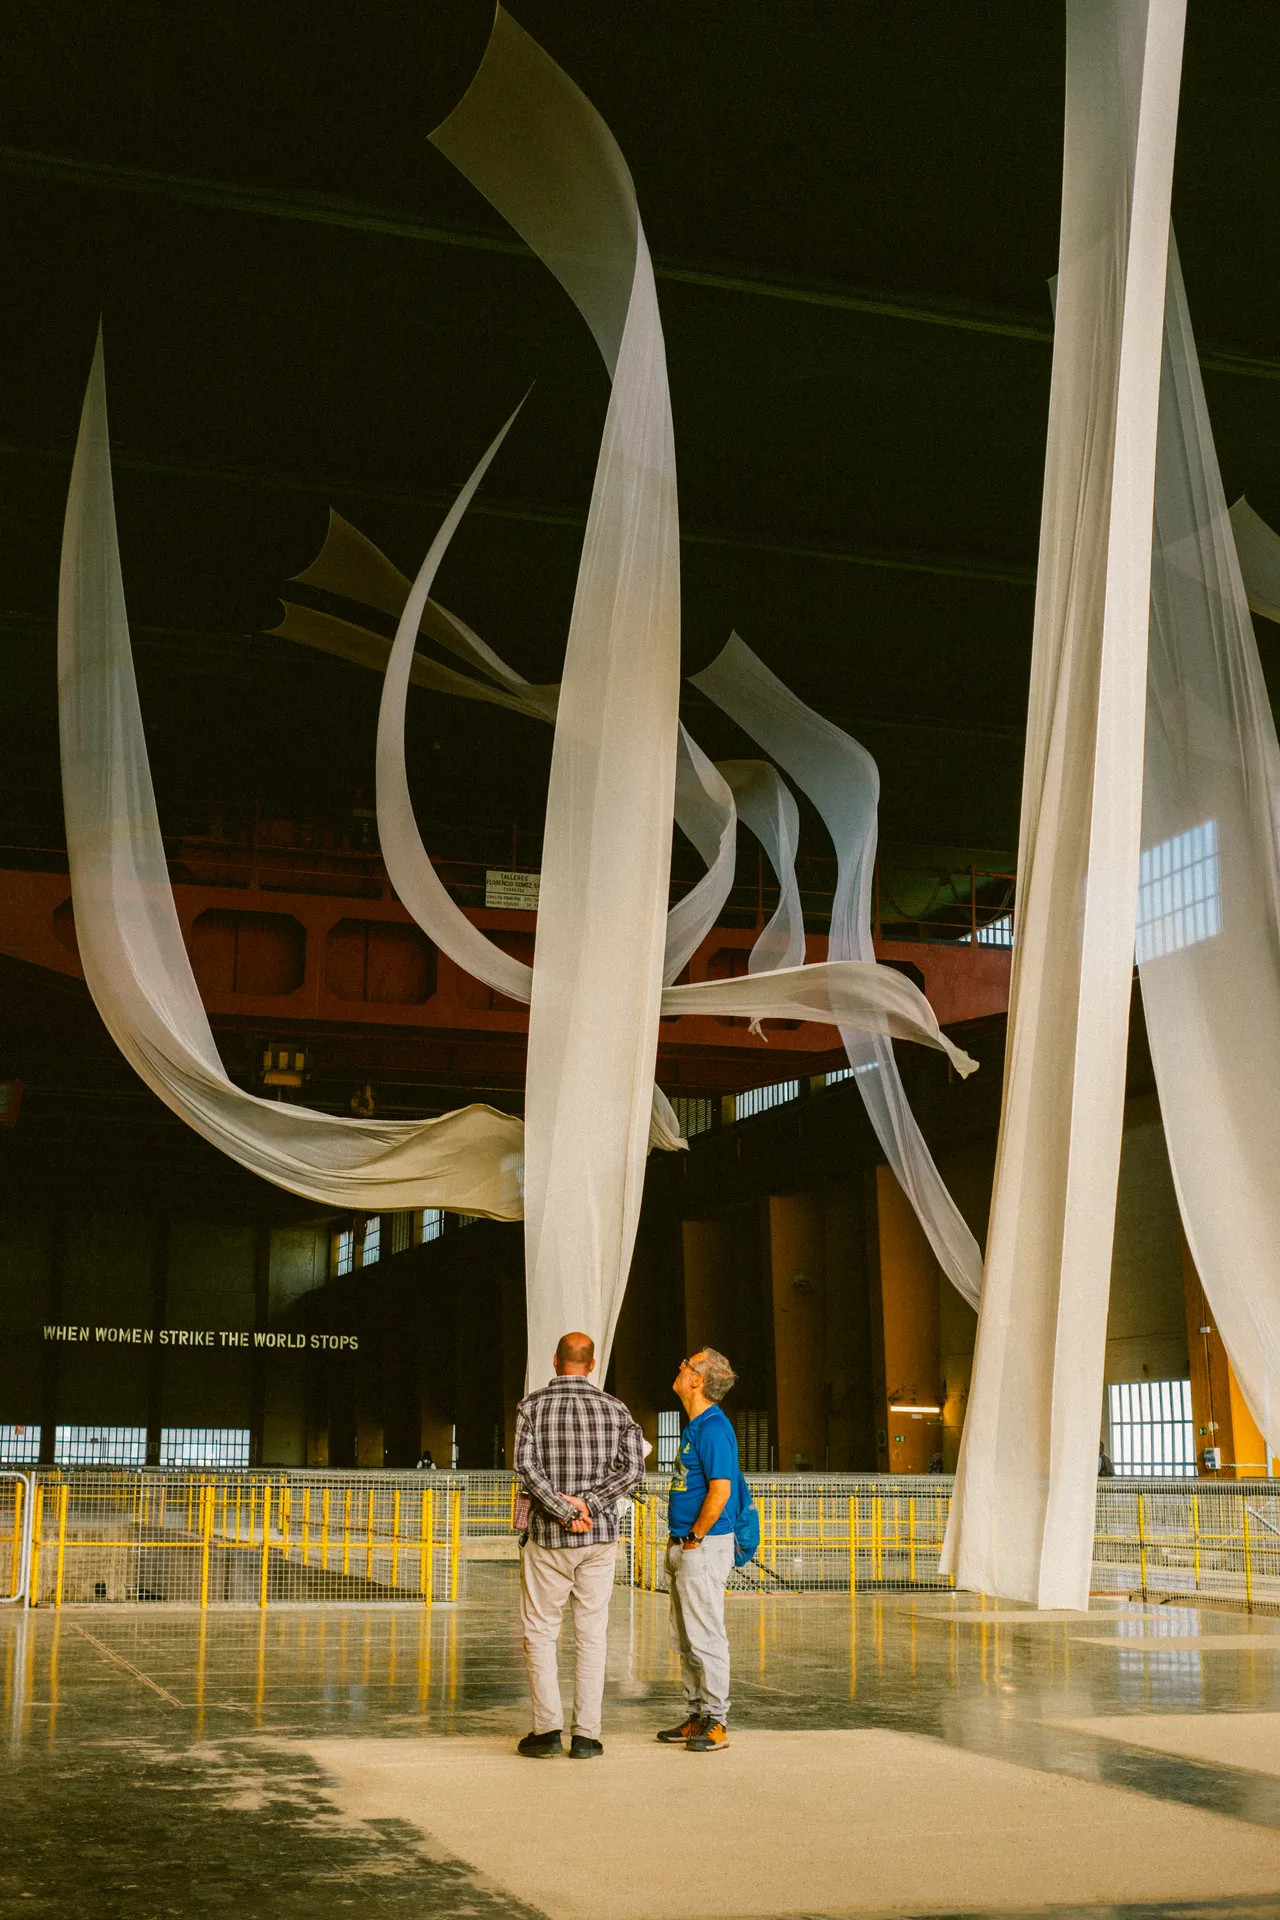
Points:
point(550, 1576)
point(696, 1581)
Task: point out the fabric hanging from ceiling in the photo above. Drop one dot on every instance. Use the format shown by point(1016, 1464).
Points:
point(530, 141)
point(768, 807)
point(131, 946)
point(843, 781)
point(861, 995)
point(864, 995)
point(1209, 894)
point(705, 797)
point(1022, 1516)
point(134, 958)
point(1258, 552)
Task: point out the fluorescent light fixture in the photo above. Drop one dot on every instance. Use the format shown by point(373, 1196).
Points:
point(911, 1406)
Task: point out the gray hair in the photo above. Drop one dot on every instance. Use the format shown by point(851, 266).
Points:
point(717, 1375)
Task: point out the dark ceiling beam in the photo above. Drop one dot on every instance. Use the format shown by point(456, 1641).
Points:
point(948, 565)
point(210, 642)
point(330, 210)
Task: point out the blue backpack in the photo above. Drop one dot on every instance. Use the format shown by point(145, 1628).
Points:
point(746, 1524)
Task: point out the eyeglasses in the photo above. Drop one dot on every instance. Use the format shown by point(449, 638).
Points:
point(691, 1367)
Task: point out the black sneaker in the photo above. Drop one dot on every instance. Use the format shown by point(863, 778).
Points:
point(542, 1746)
point(673, 1736)
point(581, 1747)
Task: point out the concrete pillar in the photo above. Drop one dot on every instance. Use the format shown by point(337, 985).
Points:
point(435, 1357)
point(907, 1323)
point(797, 1265)
point(478, 1391)
point(401, 1411)
point(708, 1285)
point(1220, 1416)
point(258, 1379)
point(341, 1404)
point(969, 1171)
point(958, 1326)
point(51, 1353)
point(514, 1353)
point(851, 1419)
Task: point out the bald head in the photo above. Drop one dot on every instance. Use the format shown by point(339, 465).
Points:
point(576, 1353)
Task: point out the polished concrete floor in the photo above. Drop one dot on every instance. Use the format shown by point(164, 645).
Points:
point(896, 1754)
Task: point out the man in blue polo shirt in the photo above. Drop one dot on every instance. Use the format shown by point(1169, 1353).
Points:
point(700, 1521)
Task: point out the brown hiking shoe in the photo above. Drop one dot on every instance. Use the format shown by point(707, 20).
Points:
point(711, 1737)
point(673, 1736)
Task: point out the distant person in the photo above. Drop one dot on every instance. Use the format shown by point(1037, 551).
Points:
point(936, 1463)
point(426, 1463)
point(578, 1453)
point(1106, 1465)
point(700, 1521)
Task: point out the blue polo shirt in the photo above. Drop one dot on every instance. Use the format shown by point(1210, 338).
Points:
point(708, 1451)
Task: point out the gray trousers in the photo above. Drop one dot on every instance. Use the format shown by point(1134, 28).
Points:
point(550, 1576)
point(696, 1582)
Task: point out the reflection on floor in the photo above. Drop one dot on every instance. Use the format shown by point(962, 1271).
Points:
point(890, 1754)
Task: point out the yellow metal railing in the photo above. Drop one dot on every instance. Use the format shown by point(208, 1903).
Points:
point(828, 1538)
point(197, 1539)
point(1206, 1540)
point(1202, 1539)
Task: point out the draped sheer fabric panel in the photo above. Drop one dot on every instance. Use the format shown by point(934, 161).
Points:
point(535, 147)
point(848, 993)
point(1209, 898)
point(843, 781)
point(1258, 553)
point(1022, 1516)
point(875, 998)
point(706, 814)
point(768, 807)
point(131, 946)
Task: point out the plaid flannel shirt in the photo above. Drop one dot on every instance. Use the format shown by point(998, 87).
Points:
point(572, 1438)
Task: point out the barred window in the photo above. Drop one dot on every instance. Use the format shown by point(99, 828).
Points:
point(371, 1247)
point(401, 1232)
point(19, 1446)
point(432, 1223)
point(1179, 894)
point(100, 1446)
point(204, 1446)
point(996, 933)
point(760, 1099)
point(344, 1247)
point(1152, 1435)
point(848, 1073)
point(668, 1440)
point(695, 1116)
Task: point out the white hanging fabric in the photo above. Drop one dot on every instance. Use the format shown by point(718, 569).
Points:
point(528, 140)
point(874, 997)
point(531, 142)
point(843, 781)
point(1022, 1515)
point(768, 807)
point(131, 946)
point(706, 814)
point(857, 994)
point(1209, 898)
point(350, 565)
point(1258, 552)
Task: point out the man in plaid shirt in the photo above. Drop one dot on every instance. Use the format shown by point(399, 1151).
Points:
point(578, 1452)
